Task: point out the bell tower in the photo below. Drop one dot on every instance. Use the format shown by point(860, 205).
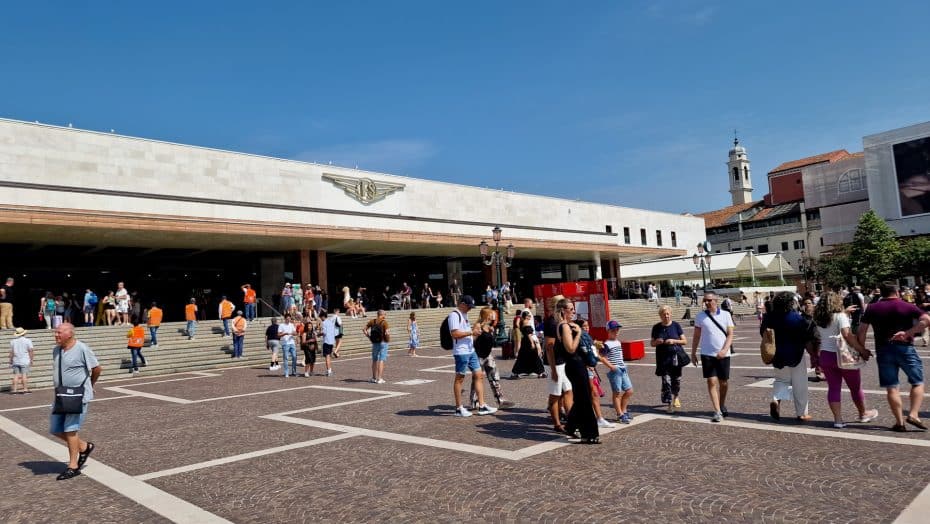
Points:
point(739, 174)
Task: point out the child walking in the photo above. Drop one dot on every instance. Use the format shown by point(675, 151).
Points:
point(414, 332)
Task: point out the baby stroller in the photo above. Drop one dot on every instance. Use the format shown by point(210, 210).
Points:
point(395, 302)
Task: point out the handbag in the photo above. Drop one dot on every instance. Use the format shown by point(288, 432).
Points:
point(69, 400)
point(767, 347)
point(682, 356)
point(597, 384)
point(847, 357)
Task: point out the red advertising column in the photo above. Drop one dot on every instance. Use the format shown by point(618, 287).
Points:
point(589, 297)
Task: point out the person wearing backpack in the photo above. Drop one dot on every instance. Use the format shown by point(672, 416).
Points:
point(457, 335)
point(90, 305)
point(377, 332)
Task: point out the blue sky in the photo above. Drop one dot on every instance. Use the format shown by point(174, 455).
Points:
point(627, 102)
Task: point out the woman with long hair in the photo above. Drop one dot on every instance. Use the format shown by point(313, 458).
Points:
point(793, 336)
point(581, 417)
point(832, 324)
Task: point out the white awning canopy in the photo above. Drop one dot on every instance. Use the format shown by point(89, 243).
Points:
point(723, 266)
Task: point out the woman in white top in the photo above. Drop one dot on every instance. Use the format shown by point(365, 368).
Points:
point(833, 323)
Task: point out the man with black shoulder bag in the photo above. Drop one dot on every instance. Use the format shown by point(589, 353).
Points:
point(713, 333)
point(75, 370)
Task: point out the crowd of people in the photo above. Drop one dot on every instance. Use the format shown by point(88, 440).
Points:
point(827, 332)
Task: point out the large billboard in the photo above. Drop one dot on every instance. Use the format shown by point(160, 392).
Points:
point(912, 168)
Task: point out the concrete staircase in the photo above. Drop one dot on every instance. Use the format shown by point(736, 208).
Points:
point(208, 350)
point(638, 312)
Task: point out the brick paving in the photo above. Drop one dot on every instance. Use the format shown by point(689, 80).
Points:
point(667, 469)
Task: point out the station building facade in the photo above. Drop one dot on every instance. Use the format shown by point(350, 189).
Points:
point(83, 209)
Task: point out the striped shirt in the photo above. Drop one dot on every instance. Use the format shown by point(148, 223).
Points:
point(614, 353)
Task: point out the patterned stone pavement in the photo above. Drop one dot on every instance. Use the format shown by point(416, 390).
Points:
point(247, 445)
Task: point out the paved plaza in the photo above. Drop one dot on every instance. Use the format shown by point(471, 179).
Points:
point(246, 445)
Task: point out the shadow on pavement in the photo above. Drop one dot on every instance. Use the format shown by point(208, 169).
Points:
point(43, 467)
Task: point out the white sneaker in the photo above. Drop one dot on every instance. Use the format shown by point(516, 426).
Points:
point(603, 423)
point(329, 372)
point(270, 368)
point(486, 410)
point(381, 381)
point(307, 374)
point(869, 416)
point(462, 412)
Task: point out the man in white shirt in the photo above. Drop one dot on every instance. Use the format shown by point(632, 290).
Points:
point(713, 333)
point(21, 359)
point(288, 347)
point(463, 351)
point(330, 330)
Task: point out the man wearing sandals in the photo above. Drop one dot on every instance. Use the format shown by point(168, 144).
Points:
point(896, 323)
point(77, 364)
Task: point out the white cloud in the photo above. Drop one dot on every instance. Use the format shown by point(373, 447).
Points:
point(391, 156)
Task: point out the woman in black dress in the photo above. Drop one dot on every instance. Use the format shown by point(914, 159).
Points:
point(529, 356)
point(581, 417)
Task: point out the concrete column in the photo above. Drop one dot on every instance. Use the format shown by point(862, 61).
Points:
point(303, 275)
point(453, 272)
point(571, 272)
point(321, 276)
point(596, 257)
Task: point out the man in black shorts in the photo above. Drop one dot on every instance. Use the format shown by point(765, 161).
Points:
point(713, 333)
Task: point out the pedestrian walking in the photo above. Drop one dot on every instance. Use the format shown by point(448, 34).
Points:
point(154, 322)
point(190, 315)
point(895, 323)
point(794, 336)
point(22, 356)
point(308, 343)
point(413, 333)
point(73, 366)
point(6, 304)
point(463, 352)
point(621, 386)
point(484, 348)
point(225, 312)
point(529, 354)
point(713, 333)
point(249, 300)
point(239, 327)
point(669, 339)
point(379, 334)
point(136, 339)
point(273, 344)
point(581, 416)
point(834, 327)
point(559, 388)
point(286, 333)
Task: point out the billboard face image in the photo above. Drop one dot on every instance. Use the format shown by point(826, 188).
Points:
point(912, 168)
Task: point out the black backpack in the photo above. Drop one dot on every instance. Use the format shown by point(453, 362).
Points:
point(376, 333)
point(445, 335)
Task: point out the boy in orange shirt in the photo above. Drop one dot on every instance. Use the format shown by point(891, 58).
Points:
point(155, 315)
point(136, 336)
point(226, 311)
point(190, 315)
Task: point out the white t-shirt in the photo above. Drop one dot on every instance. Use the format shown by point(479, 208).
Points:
point(712, 337)
point(122, 296)
point(329, 330)
point(21, 347)
point(286, 333)
point(828, 342)
point(464, 345)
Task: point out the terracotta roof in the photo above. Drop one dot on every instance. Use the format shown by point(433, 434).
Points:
point(721, 216)
point(832, 156)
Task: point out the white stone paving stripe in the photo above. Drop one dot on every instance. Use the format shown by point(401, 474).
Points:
point(160, 502)
point(49, 405)
point(918, 510)
point(397, 437)
point(379, 396)
point(154, 396)
point(244, 456)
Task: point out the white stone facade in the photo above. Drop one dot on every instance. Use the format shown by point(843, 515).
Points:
point(118, 174)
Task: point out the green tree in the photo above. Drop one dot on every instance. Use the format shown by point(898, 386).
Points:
point(833, 268)
point(915, 258)
point(875, 253)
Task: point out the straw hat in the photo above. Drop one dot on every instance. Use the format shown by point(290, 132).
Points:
point(19, 332)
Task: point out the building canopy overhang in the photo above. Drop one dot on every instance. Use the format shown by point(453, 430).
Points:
point(723, 266)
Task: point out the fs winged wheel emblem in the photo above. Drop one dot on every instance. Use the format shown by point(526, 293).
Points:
point(365, 190)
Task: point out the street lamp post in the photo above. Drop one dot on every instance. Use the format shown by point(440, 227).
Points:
point(701, 260)
point(499, 260)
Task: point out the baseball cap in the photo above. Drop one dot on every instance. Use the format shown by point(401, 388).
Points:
point(613, 324)
point(467, 300)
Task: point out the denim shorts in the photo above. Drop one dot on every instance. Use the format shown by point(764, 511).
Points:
point(379, 351)
point(66, 423)
point(893, 357)
point(466, 363)
point(619, 380)
point(20, 369)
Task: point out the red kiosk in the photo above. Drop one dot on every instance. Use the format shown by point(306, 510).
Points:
point(590, 299)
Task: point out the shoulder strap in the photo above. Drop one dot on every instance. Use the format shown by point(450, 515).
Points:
point(714, 320)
